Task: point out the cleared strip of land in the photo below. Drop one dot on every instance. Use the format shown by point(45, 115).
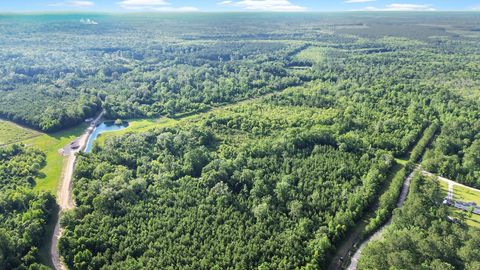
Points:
point(13, 133)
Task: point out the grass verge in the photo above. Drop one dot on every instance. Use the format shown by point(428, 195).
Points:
point(50, 145)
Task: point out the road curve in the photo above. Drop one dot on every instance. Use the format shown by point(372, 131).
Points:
point(64, 195)
point(448, 181)
point(379, 232)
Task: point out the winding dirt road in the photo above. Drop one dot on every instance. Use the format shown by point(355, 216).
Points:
point(64, 195)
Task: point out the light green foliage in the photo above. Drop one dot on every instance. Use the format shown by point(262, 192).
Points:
point(311, 54)
point(11, 133)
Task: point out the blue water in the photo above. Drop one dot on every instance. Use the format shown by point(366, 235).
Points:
point(102, 128)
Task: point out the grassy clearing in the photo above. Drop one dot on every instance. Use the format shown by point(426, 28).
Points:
point(444, 188)
point(313, 53)
point(47, 143)
point(473, 220)
point(12, 133)
point(466, 195)
point(50, 144)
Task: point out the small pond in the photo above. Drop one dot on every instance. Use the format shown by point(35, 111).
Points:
point(103, 127)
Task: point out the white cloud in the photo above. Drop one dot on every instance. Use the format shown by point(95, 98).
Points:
point(142, 4)
point(80, 4)
point(154, 5)
point(402, 7)
point(358, 1)
point(178, 9)
point(264, 5)
point(475, 8)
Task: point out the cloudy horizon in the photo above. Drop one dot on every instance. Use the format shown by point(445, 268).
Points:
point(237, 5)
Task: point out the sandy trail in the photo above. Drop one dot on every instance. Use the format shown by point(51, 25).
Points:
point(64, 195)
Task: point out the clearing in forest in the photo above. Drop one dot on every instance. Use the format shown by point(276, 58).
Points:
point(12, 133)
point(47, 143)
point(313, 54)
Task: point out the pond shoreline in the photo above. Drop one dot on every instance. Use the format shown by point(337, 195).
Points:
point(102, 127)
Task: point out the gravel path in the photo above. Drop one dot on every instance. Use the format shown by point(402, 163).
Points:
point(64, 196)
point(450, 183)
point(378, 234)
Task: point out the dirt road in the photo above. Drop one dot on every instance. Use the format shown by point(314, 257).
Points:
point(378, 234)
point(64, 195)
point(450, 183)
point(403, 196)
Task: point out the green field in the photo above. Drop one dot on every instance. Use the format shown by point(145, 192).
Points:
point(50, 144)
point(473, 220)
point(443, 187)
point(313, 53)
point(137, 125)
point(466, 195)
point(12, 133)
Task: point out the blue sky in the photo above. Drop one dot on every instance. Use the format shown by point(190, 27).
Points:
point(236, 5)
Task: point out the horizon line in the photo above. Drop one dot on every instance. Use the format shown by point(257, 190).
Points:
point(228, 12)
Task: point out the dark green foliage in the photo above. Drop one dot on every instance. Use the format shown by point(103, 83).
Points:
point(455, 153)
point(54, 85)
point(273, 183)
point(421, 237)
point(388, 200)
point(23, 212)
point(427, 137)
point(277, 200)
point(19, 166)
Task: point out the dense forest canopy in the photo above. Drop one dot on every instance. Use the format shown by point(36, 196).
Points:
point(303, 118)
point(269, 196)
point(256, 181)
point(57, 70)
point(23, 213)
